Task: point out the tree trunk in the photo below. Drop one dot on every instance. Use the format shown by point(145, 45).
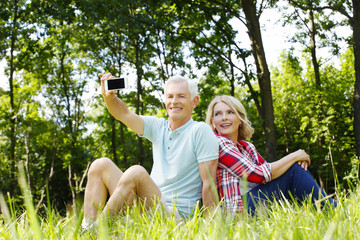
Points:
point(318, 97)
point(70, 125)
point(27, 162)
point(124, 152)
point(73, 194)
point(253, 93)
point(54, 150)
point(313, 49)
point(253, 26)
point(138, 106)
point(232, 77)
point(139, 73)
point(113, 139)
point(13, 116)
point(356, 102)
point(115, 122)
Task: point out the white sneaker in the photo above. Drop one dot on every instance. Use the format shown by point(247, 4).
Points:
point(88, 224)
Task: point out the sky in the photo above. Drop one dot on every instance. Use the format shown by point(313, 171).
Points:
point(3, 78)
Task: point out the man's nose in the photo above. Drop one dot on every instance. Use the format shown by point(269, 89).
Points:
point(175, 99)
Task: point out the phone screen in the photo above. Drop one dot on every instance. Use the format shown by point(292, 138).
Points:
point(116, 83)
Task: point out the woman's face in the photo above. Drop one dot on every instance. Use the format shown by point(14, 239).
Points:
point(225, 121)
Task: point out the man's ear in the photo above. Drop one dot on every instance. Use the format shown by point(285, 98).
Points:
point(195, 101)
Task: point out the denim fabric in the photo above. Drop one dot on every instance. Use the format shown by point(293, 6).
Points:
point(295, 182)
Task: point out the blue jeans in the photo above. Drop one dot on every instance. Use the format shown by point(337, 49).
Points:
point(295, 182)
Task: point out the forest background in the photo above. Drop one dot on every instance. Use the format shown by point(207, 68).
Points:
point(54, 121)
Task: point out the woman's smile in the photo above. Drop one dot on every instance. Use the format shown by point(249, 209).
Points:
point(225, 121)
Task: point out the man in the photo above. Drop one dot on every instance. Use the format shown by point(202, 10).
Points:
point(185, 156)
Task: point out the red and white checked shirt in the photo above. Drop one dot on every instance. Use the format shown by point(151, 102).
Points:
point(237, 164)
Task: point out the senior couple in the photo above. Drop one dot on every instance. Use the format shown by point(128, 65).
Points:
point(190, 158)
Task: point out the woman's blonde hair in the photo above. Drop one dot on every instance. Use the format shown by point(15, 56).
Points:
point(245, 130)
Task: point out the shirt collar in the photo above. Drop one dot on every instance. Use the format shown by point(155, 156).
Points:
point(239, 143)
point(180, 129)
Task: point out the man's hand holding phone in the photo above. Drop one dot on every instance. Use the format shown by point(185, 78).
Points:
point(109, 84)
point(115, 84)
point(116, 106)
point(103, 78)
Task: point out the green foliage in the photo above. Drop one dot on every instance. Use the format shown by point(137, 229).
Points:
point(211, 85)
point(61, 125)
point(317, 120)
point(213, 39)
point(325, 21)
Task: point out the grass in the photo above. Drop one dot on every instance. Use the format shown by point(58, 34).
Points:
point(282, 220)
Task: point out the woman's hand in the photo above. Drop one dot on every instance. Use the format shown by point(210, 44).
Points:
point(279, 167)
point(303, 164)
point(303, 159)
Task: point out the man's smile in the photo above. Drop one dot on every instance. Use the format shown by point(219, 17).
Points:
point(176, 108)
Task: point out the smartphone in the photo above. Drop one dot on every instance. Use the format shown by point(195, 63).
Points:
point(116, 84)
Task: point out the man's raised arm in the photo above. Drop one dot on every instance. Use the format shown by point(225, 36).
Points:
point(118, 108)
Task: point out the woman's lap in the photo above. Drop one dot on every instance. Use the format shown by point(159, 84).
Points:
point(295, 182)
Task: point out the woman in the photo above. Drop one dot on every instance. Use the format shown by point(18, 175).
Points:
point(243, 174)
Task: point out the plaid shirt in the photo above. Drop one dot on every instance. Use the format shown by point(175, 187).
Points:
point(235, 163)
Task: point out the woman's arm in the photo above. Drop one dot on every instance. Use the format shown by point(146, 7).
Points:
point(240, 164)
point(279, 167)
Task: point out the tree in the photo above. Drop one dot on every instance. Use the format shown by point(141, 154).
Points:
point(312, 26)
point(263, 74)
point(296, 115)
point(59, 67)
point(121, 40)
point(344, 7)
point(206, 25)
point(17, 46)
point(356, 45)
point(304, 17)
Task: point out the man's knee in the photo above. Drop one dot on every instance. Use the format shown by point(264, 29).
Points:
point(134, 174)
point(99, 165)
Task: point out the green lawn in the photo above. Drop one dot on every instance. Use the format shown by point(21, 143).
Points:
point(283, 220)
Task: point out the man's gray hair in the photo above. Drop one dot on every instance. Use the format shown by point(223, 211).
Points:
point(192, 85)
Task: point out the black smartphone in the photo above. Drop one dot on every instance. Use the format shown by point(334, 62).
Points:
point(116, 84)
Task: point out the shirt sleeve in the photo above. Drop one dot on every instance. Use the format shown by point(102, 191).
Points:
point(206, 144)
point(151, 127)
point(242, 165)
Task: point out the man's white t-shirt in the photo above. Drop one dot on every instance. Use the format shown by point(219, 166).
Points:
point(176, 156)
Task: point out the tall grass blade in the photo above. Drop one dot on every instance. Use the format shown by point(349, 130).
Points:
point(8, 220)
point(30, 209)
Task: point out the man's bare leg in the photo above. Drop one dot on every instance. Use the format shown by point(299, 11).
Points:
point(103, 177)
point(135, 184)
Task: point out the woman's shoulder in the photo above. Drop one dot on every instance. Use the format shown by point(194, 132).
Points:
point(221, 138)
point(225, 141)
point(247, 145)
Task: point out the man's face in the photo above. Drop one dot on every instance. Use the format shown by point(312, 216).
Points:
point(178, 102)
